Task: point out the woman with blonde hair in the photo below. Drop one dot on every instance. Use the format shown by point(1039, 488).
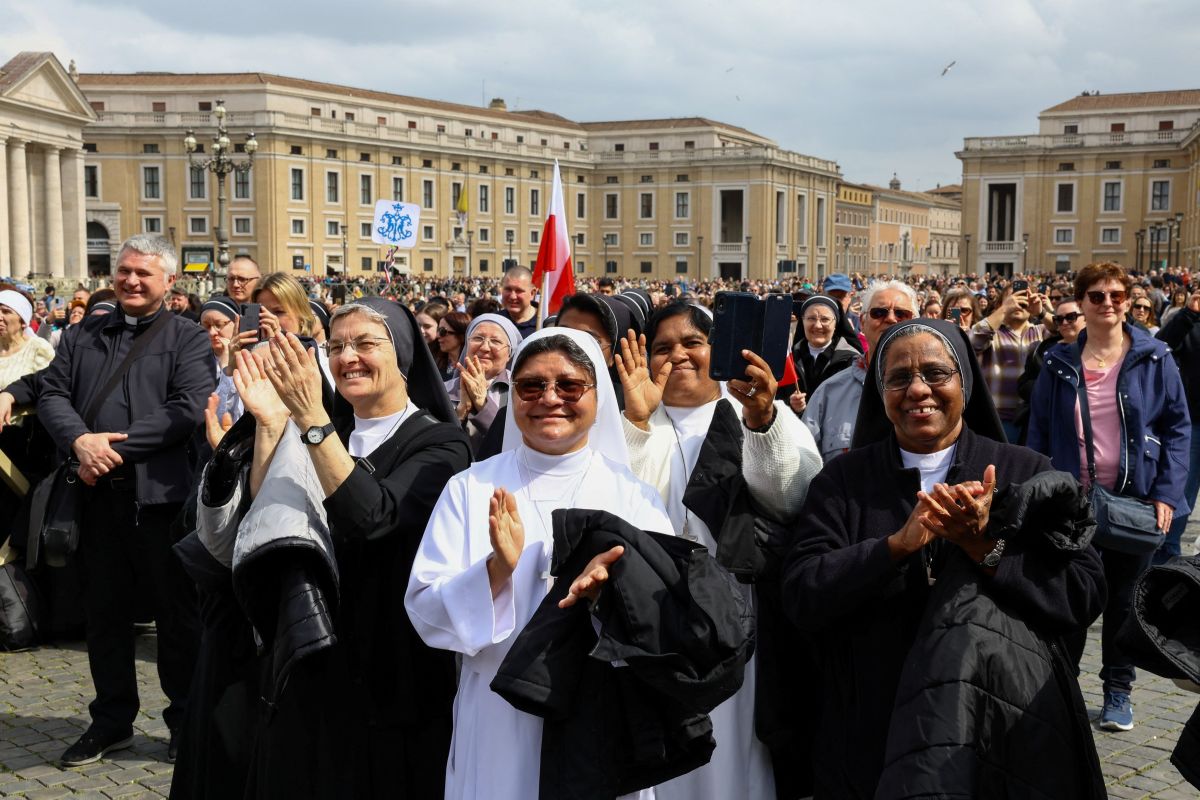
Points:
point(284, 307)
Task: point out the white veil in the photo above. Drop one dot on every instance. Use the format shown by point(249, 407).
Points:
point(605, 435)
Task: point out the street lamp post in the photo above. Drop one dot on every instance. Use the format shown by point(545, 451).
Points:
point(508, 237)
point(220, 164)
point(967, 253)
point(606, 254)
point(747, 276)
point(1153, 245)
point(846, 254)
point(700, 258)
point(1140, 235)
point(470, 239)
point(1170, 233)
point(905, 261)
point(1024, 251)
point(345, 253)
point(891, 251)
point(1178, 237)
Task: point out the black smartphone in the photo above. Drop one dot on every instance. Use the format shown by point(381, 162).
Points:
point(1020, 286)
point(249, 321)
point(956, 314)
point(741, 321)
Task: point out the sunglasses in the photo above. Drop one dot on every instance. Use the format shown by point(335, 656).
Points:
point(1141, 306)
point(901, 314)
point(1059, 319)
point(934, 376)
point(444, 332)
point(1097, 298)
point(568, 390)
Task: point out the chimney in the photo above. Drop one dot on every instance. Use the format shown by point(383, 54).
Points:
point(498, 104)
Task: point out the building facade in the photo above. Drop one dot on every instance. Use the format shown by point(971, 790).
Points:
point(913, 232)
point(852, 228)
point(657, 199)
point(1107, 177)
point(42, 172)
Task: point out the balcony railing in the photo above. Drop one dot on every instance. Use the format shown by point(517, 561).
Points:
point(1000, 247)
point(1047, 142)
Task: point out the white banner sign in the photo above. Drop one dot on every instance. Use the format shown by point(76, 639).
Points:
point(395, 223)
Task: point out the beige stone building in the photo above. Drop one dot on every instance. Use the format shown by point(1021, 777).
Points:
point(42, 174)
point(644, 198)
point(913, 232)
point(1106, 177)
point(852, 228)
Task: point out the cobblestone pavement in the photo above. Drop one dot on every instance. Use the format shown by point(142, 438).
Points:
point(44, 695)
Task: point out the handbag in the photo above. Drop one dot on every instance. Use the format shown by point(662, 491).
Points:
point(1123, 523)
point(53, 535)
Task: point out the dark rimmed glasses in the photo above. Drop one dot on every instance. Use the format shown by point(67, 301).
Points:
point(568, 390)
point(934, 376)
point(901, 314)
point(1059, 319)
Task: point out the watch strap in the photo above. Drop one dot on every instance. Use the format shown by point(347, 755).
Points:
point(993, 557)
point(326, 431)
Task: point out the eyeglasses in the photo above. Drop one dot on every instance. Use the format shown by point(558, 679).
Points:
point(1142, 306)
point(901, 314)
point(1056, 298)
point(966, 310)
point(217, 325)
point(479, 342)
point(934, 376)
point(1097, 298)
point(1059, 319)
point(818, 320)
point(241, 278)
point(568, 390)
point(364, 345)
point(444, 332)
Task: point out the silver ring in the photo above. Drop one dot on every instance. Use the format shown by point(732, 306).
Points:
point(753, 389)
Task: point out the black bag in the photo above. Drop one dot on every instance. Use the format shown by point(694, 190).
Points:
point(1125, 524)
point(56, 502)
point(20, 609)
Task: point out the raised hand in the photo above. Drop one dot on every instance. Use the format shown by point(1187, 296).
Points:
point(472, 383)
point(508, 538)
point(757, 392)
point(592, 579)
point(294, 373)
point(214, 428)
point(798, 401)
point(255, 389)
point(643, 393)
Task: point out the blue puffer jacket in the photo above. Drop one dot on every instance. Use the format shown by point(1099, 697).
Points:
point(1155, 426)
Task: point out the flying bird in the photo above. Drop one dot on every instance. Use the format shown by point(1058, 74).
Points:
point(948, 68)
point(729, 70)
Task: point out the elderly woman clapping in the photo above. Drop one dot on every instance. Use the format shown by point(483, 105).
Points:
point(480, 389)
point(935, 564)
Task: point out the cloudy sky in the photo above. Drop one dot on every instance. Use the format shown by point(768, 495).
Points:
point(856, 81)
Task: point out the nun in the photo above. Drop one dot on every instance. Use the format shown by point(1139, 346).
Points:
point(481, 387)
point(483, 565)
point(346, 721)
point(825, 345)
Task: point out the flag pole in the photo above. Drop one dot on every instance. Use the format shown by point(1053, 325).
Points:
point(542, 306)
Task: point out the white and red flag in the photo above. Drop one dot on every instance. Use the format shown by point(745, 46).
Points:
point(553, 271)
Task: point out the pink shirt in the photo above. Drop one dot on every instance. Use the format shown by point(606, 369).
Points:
point(1106, 425)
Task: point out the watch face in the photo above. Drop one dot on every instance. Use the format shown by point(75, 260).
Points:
point(991, 559)
point(314, 435)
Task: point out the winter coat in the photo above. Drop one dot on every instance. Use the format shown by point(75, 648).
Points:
point(865, 610)
point(1182, 335)
point(1155, 426)
point(1005, 716)
point(626, 699)
point(813, 372)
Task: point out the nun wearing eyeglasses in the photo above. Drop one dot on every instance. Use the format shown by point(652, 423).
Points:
point(937, 570)
point(481, 387)
point(338, 496)
point(483, 565)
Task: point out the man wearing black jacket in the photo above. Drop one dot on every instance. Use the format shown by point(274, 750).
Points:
point(133, 459)
point(1182, 335)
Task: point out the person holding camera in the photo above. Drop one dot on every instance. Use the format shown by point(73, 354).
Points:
point(1002, 341)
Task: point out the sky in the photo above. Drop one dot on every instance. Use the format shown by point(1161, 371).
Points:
point(856, 81)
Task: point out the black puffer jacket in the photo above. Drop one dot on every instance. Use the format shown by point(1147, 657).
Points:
point(1004, 718)
point(627, 708)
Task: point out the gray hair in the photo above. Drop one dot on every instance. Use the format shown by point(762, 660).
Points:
point(359, 308)
point(896, 286)
point(152, 244)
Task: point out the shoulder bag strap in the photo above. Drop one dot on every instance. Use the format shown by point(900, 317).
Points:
point(139, 344)
point(1087, 420)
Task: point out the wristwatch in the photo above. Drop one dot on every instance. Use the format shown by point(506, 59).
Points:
point(315, 435)
point(993, 558)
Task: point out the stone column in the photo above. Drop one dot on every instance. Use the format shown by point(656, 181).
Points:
point(18, 212)
point(74, 224)
point(5, 266)
point(54, 213)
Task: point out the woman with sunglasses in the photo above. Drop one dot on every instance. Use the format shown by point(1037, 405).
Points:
point(483, 566)
point(1140, 435)
point(480, 389)
point(1067, 322)
point(961, 306)
point(1003, 341)
point(451, 336)
point(1142, 313)
point(720, 455)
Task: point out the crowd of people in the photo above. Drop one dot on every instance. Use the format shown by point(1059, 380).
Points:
point(422, 538)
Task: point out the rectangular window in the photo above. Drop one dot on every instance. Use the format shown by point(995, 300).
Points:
point(654, 145)
point(1112, 164)
point(801, 219)
point(1070, 129)
point(296, 150)
point(158, 107)
point(241, 226)
point(426, 194)
point(485, 200)
point(366, 197)
point(427, 233)
point(1066, 198)
point(646, 239)
point(364, 156)
point(333, 227)
point(647, 179)
point(1166, 125)
point(198, 225)
point(485, 235)
point(1066, 166)
point(1117, 127)
point(611, 239)
point(297, 227)
point(149, 148)
point(331, 187)
point(1112, 196)
point(510, 200)
point(364, 230)
point(241, 184)
point(398, 189)
point(681, 267)
point(91, 181)
point(483, 265)
point(198, 185)
point(297, 184)
point(646, 206)
point(1064, 236)
point(580, 239)
point(610, 267)
point(611, 207)
point(820, 222)
point(1160, 196)
point(535, 204)
point(427, 265)
point(1162, 163)
point(1110, 235)
point(152, 224)
point(681, 178)
point(330, 153)
point(367, 263)
point(611, 179)
point(580, 205)
point(646, 267)
point(681, 239)
point(397, 161)
point(533, 237)
point(427, 163)
point(151, 186)
point(683, 202)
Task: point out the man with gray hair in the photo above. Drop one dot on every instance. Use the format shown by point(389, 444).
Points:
point(833, 408)
point(122, 398)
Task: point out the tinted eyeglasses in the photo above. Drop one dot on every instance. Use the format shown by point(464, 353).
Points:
point(444, 332)
point(1142, 306)
point(1059, 319)
point(568, 390)
point(934, 376)
point(1097, 298)
point(901, 314)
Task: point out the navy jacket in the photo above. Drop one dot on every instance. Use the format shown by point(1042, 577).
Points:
point(1155, 426)
point(165, 390)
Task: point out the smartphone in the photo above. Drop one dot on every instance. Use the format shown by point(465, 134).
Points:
point(741, 321)
point(1020, 286)
point(956, 314)
point(249, 321)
